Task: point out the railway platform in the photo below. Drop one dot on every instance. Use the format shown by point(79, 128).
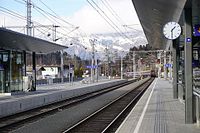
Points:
point(46, 94)
point(157, 112)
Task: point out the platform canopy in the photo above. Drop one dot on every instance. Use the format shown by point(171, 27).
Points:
point(17, 41)
point(154, 14)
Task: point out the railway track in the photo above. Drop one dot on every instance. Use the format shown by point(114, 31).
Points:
point(18, 120)
point(109, 117)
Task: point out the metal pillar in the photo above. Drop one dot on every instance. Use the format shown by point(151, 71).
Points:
point(92, 65)
point(160, 65)
point(175, 70)
point(33, 72)
point(170, 69)
point(61, 66)
point(121, 67)
point(134, 66)
point(188, 67)
point(29, 27)
point(24, 66)
point(69, 73)
point(197, 111)
point(165, 62)
point(96, 69)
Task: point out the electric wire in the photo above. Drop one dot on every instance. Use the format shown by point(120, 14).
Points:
point(113, 11)
point(114, 14)
point(12, 13)
point(57, 14)
point(105, 14)
point(116, 27)
point(103, 17)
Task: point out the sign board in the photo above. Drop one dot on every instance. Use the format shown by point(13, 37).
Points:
point(95, 66)
point(196, 30)
point(168, 65)
point(188, 39)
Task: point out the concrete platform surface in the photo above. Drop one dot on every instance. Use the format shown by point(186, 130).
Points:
point(47, 94)
point(157, 112)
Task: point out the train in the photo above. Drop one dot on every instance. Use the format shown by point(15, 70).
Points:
point(153, 73)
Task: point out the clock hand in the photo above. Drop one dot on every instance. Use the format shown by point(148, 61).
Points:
point(173, 28)
point(172, 31)
point(171, 34)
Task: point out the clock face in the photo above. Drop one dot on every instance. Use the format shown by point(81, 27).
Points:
point(172, 30)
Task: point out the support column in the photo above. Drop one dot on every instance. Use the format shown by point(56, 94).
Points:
point(121, 67)
point(175, 70)
point(197, 111)
point(29, 23)
point(96, 69)
point(159, 69)
point(188, 67)
point(165, 68)
point(61, 66)
point(170, 68)
point(69, 74)
point(92, 64)
point(134, 65)
point(24, 66)
point(34, 72)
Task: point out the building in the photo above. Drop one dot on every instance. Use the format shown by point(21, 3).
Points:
point(153, 15)
point(13, 50)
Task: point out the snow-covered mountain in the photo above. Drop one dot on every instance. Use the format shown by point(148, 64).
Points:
point(115, 43)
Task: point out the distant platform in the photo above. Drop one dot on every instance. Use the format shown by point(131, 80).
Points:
point(46, 94)
point(157, 112)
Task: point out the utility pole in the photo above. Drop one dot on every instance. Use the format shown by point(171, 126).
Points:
point(54, 33)
point(61, 66)
point(121, 67)
point(134, 66)
point(61, 54)
point(29, 23)
point(165, 62)
point(159, 71)
point(29, 33)
point(54, 38)
point(96, 69)
point(170, 62)
point(93, 58)
point(107, 68)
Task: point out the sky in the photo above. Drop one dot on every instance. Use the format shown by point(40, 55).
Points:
point(79, 13)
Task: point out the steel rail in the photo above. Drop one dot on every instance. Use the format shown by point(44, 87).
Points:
point(15, 121)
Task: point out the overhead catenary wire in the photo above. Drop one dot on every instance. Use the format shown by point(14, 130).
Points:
point(57, 17)
point(114, 14)
point(103, 16)
point(47, 14)
point(62, 19)
point(108, 20)
point(12, 13)
point(112, 10)
point(52, 18)
point(56, 14)
point(106, 16)
point(19, 1)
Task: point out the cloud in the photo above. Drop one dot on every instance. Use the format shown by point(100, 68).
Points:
point(91, 22)
point(87, 18)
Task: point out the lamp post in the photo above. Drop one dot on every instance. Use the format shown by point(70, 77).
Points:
point(134, 66)
point(61, 53)
point(93, 58)
point(121, 67)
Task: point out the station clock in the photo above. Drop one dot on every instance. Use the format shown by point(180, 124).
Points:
point(172, 30)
